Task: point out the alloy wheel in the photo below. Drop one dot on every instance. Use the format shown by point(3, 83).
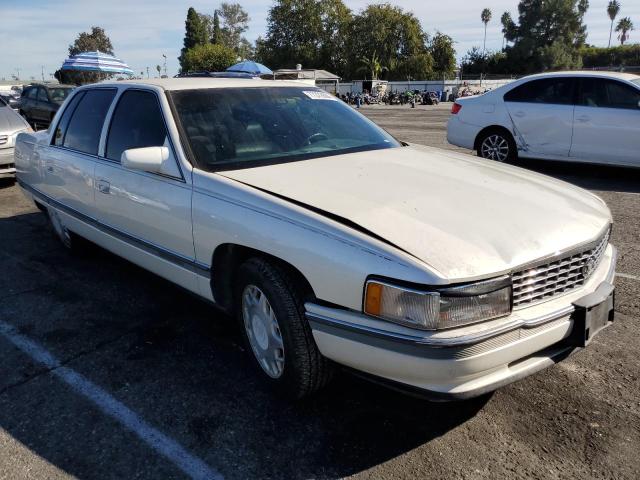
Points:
point(263, 331)
point(495, 147)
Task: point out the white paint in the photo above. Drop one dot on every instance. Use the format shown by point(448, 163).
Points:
point(630, 277)
point(543, 131)
point(170, 449)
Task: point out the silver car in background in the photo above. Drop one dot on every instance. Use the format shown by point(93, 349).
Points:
point(11, 124)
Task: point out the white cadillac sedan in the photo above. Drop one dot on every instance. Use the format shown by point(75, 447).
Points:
point(591, 117)
point(330, 242)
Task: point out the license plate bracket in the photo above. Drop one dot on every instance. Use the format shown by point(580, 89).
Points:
point(592, 313)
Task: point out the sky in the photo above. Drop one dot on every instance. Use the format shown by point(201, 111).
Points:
point(35, 34)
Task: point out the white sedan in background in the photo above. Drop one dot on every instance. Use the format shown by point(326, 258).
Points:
point(328, 240)
point(591, 117)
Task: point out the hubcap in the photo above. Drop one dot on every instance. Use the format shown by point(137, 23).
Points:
point(263, 331)
point(495, 147)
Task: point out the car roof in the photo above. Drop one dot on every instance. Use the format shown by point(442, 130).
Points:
point(587, 73)
point(190, 83)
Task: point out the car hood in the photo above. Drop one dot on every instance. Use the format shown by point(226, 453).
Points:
point(466, 218)
point(10, 121)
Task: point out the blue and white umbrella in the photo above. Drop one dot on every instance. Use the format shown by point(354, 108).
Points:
point(96, 62)
point(248, 66)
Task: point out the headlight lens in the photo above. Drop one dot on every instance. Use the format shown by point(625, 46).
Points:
point(441, 308)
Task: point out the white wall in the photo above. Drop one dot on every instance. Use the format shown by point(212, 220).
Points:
point(429, 85)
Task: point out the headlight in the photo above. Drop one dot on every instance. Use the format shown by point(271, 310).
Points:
point(439, 308)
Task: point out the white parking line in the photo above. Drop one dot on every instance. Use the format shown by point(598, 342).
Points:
point(630, 277)
point(158, 441)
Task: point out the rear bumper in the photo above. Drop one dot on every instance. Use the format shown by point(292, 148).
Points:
point(451, 366)
point(460, 133)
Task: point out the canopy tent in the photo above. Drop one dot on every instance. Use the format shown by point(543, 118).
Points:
point(248, 66)
point(96, 62)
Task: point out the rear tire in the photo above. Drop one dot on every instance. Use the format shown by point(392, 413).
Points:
point(71, 241)
point(498, 145)
point(271, 314)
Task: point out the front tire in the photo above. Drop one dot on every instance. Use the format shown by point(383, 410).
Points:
point(271, 314)
point(497, 145)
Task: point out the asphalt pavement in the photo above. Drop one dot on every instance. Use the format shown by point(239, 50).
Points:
point(109, 372)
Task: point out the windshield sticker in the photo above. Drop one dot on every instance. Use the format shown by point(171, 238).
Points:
point(318, 95)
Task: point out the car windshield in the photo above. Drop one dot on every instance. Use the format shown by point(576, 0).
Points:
point(59, 94)
point(234, 128)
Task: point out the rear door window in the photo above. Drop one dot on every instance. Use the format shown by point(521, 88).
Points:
point(42, 95)
point(137, 122)
point(31, 93)
point(603, 93)
point(61, 128)
point(554, 91)
point(83, 132)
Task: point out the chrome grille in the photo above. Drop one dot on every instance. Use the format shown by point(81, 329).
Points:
point(4, 139)
point(542, 282)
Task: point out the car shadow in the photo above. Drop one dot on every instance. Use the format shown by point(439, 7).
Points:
point(592, 177)
point(179, 364)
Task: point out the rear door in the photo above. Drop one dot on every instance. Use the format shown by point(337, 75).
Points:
point(29, 102)
point(542, 114)
point(147, 211)
point(41, 110)
point(69, 161)
point(607, 122)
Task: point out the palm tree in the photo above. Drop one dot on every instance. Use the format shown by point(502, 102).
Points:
point(625, 25)
point(485, 16)
point(372, 65)
point(507, 23)
point(612, 10)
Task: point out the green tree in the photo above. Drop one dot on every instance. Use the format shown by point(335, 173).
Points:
point(235, 21)
point(612, 10)
point(95, 40)
point(395, 36)
point(549, 35)
point(444, 55)
point(195, 34)
point(625, 25)
point(372, 66)
point(309, 32)
point(216, 33)
point(485, 16)
point(617, 56)
point(507, 26)
point(208, 57)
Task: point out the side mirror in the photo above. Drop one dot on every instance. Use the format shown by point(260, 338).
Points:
point(148, 159)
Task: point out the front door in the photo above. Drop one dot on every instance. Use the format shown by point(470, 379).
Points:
point(542, 115)
point(147, 212)
point(607, 123)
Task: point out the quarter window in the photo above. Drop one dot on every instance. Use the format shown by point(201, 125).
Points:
point(83, 132)
point(136, 123)
point(599, 92)
point(556, 91)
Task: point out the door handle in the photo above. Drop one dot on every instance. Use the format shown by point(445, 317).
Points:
point(104, 187)
point(583, 118)
point(519, 114)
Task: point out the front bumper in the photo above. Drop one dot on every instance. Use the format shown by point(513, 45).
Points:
point(7, 167)
point(465, 362)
